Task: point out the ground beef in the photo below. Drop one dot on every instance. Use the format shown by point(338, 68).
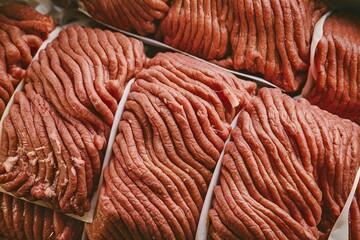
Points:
point(173, 128)
point(247, 36)
point(337, 66)
point(23, 220)
point(286, 172)
point(139, 15)
point(57, 128)
point(20, 38)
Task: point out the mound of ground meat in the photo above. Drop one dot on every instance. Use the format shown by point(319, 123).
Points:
point(286, 173)
point(173, 128)
point(270, 38)
point(22, 31)
point(54, 136)
point(337, 65)
point(129, 15)
point(23, 220)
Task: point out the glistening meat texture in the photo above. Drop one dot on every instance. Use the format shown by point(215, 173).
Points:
point(54, 136)
point(286, 173)
point(337, 64)
point(173, 128)
point(22, 31)
point(268, 37)
point(199, 27)
point(130, 15)
point(25, 221)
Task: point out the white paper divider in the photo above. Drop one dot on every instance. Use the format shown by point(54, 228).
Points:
point(312, 74)
point(159, 44)
point(108, 153)
point(203, 225)
point(340, 229)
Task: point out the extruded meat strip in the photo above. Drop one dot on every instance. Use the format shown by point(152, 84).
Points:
point(192, 26)
point(198, 95)
point(38, 222)
point(19, 39)
point(236, 200)
point(272, 67)
point(182, 159)
point(90, 176)
point(129, 192)
point(222, 12)
point(266, 182)
point(99, 81)
point(251, 50)
point(241, 27)
point(88, 84)
point(221, 88)
point(285, 165)
point(36, 147)
point(73, 69)
point(287, 224)
point(306, 167)
point(251, 165)
point(124, 69)
point(5, 80)
point(55, 139)
point(204, 48)
point(331, 80)
point(156, 153)
point(130, 206)
point(4, 232)
point(47, 224)
point(155, 13)
point(301, 39)
point(183, 19)
point(292, 218)
point(106, 53)
point(177, 189)
point(76, 108)
point(206, 76)
point(145, 194)
point(18, 211)
point(28, 220)
point(139, 54)
point(277, 192)
point(74, 38)
point(237, 217)
point(128, 51)
point(62, 106)
point(25, 153)
point(343, 93)
point(167, 99)
point(260, 22)
point(41, 29)
point(290, 45)
point(13, 55)
point(5, 97)
point(157, 181)
point(155, 190)
point(76, 191)
point(196, 152)
point(23, 12)
point(323, 125)
point(6, 208)
point(106, 215)
point(141, 27)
